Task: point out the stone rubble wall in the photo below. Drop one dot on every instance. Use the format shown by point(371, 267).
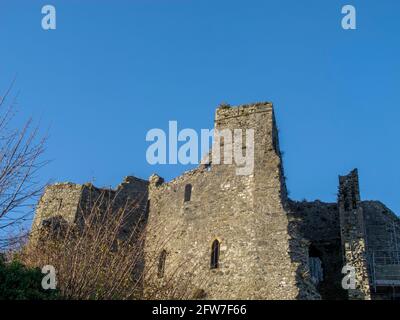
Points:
point(318, 223)
point(69, 202)
point(246, 214)
point(382, 227)
point(353, 234)
point(59, 200)
point(383, 248)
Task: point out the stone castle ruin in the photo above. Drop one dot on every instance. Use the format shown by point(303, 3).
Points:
point(242, 237)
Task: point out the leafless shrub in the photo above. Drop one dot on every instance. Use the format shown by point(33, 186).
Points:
point(101, 256)
point(21, 149)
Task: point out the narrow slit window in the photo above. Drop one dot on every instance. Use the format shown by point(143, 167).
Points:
point(346, 202)
point(188, 192)
point(215, 255)
point(161, 264)
point(353, 197)
point(60, 203)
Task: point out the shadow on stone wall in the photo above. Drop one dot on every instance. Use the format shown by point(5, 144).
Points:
point(314, 232)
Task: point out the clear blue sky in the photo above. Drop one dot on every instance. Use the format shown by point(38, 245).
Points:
point(112, 70)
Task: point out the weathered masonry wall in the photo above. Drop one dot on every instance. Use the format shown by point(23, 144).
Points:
point(382, 227)
point(244, 213)
point(383, 250)
point(318, 223)
point(67, 202)
point(58, 200)
point(353, 234)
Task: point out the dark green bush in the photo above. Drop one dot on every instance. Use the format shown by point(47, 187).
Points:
point(17, 282)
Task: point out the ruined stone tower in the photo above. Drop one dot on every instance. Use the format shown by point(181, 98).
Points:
point(66, 202)
point(353, 234)
point(245, 215)
point(218, 234)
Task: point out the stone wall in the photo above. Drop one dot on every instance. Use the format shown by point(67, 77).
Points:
point(318, 223)
point(353, 233)
point(383, 249)
point(382, 227)
point(59, 200)
point(69, 202)
point(246, 214)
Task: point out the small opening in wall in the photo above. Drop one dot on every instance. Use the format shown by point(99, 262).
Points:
point(60, 203)
point(188, 192)
point(346, 202)
point(353, 197)
point(315, 265)
point(208, 167)
point(275, 140)
point(161, 263)
point(215, 255)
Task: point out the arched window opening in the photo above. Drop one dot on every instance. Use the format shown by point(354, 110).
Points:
point(215, 255)
point(161, 264)
point(315, 265)
point(188, 192)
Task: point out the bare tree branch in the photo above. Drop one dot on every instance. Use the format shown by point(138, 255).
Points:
point(21, 149)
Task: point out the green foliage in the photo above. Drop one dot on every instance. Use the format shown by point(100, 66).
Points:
point(18, 282)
